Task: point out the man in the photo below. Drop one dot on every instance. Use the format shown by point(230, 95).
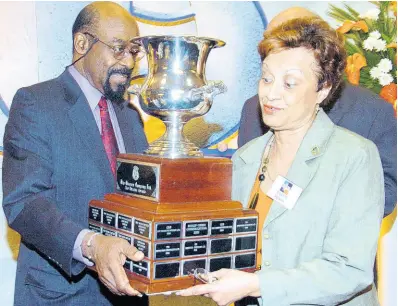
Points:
point(356, 109)
point(60, 148)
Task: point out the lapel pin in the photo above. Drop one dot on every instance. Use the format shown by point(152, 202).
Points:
point(315, 150)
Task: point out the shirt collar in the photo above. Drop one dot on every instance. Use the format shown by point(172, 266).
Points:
point(93, 95)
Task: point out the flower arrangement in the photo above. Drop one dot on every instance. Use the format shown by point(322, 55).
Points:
point(371, 45)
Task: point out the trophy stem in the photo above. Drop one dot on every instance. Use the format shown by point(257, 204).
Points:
point(173, 143)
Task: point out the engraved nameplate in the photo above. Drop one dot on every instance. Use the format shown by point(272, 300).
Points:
point(95, 228)
point(166, 270)
point(137, 178)
point(246, 225)
point(168, 230)
point(245, 243)
point(142, 228)
point(125, 237)
point(244, 261)
point(124, 222)
point(167, 250)
point(189, 266)
point(222, 227)
point(108, 232)
point(196, 228)
point(141, 268)
point(95, 213)
point(142, 246)
point(217, 263)
point(195, 247)
point(221, 245)
point(109, 218)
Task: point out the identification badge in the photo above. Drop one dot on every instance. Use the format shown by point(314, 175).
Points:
point(284, 192)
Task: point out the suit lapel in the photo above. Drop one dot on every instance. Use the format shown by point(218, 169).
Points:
point(338, 111)
point(85, 126)
point(300, 173)
point(251, 160)
point(344, 104)
point(125, 125)
point(307, 160)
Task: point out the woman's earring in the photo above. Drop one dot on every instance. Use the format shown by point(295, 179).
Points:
point(317, 108)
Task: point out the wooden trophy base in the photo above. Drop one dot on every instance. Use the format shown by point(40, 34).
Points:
point(180, 215)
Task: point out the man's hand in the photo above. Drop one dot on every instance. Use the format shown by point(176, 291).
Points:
point(109, 255)
point(230, 286)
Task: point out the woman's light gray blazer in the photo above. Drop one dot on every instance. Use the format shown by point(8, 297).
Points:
point(322, 251)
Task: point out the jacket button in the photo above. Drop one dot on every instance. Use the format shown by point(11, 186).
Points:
point(267, 263)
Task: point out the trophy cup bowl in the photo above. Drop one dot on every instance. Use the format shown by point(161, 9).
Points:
point(176, 89)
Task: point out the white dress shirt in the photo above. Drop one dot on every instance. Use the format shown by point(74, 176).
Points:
point(93, 97)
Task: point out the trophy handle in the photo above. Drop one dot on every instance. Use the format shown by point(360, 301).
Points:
point(206, 92)
point(215, 88)
point(135, 89)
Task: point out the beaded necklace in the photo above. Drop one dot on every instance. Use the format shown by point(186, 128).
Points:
point(263, 171)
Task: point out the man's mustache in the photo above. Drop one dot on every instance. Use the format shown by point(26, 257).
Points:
point(124, 71)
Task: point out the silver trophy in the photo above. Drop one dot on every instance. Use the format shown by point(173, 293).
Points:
point(176, 89)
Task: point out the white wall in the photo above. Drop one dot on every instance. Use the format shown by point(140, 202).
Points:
point(19, 67)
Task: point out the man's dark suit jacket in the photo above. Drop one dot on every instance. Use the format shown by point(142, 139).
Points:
point(358, 110)
point(54, 164)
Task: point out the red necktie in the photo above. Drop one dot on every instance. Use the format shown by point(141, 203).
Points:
point(108, 135)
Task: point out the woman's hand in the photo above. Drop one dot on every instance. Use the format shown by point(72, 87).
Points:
point(230, 286)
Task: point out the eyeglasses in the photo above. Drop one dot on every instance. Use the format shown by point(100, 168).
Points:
point(122, 51)
point(203, 275)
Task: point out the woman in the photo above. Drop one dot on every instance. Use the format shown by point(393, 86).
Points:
point(318, 187)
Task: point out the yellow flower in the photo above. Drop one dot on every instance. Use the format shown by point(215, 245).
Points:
point(393, 7)
point(349, 25)
point(354, 64)
point(389, 93)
